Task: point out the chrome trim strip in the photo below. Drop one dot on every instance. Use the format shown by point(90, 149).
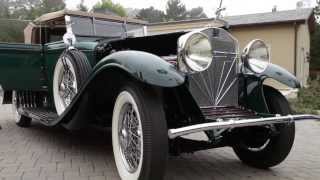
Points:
point(204, 81)
point(224, 82)
point(170, 58)
point(225, 52)
point(173, 133)
point(227, 90)
point(199, 87)
point(221, 75)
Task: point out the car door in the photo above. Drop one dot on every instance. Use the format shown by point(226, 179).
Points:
point(21, 67)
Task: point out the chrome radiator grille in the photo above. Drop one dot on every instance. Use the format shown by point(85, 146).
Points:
point(218, 85)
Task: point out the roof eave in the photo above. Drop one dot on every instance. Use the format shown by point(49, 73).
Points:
point(269, 23)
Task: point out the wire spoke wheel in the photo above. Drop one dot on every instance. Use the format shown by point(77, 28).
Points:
point(71, 71)
point(67, 82)
point(130, 137)
point(139, 134)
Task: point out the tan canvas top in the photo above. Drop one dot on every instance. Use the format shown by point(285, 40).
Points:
point(57, 19)
point(60, 14)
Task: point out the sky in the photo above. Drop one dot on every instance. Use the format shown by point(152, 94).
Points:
point(233, 7)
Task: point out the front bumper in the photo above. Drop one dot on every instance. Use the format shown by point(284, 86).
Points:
point(232, 123)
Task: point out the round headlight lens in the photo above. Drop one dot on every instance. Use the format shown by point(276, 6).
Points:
point(257, 54)
point(198, 52)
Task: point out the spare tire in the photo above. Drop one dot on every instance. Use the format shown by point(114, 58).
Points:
point(70, 74)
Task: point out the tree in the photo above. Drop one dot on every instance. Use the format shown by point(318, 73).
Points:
point(24, 9)
point(315, 42)
point(132, 12)
point(175, 10)
point(4, 9)
point(196, 13)
point(12, 30)
point(107, 7)
point(315, 48)
point(151, 15)
point(31, 9)
point(51, 5)
point(317, 9)
point(82, 7)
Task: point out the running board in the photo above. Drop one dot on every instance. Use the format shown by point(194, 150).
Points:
point(173, 133)
point(41, 114)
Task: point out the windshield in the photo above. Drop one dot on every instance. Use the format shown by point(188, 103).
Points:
point(85, 27)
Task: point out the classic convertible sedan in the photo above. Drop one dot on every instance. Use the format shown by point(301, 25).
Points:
point(78, 69)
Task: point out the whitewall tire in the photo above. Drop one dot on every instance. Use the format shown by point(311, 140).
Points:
point(139, 134)
point(70, 73)
point(65, 84)
point(127, 169)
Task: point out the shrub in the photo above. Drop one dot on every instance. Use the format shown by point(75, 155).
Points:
point(308, 100)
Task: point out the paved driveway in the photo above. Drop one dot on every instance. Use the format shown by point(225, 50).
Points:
point(54, 153)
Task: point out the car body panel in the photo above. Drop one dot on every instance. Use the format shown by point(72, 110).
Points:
point(280, 74)
point(252, 95)
point(20, 66)
point(143, 66)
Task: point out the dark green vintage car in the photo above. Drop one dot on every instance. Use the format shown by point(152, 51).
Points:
point(78, 69)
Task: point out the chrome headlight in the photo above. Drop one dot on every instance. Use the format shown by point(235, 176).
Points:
point(195, 51)
point(256, 56)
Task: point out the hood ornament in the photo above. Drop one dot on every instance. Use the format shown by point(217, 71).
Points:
point(217, 21)
point(219, 10)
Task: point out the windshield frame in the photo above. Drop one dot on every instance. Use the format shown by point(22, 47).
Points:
point(101, 28)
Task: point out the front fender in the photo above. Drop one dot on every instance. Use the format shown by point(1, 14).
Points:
point(144, 67)
point(280, 74)
point(251, 93)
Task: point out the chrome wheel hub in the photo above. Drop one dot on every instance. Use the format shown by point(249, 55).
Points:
point(67, 83)
point(130, 137)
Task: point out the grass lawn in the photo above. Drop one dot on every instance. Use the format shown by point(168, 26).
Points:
point(308, 100)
